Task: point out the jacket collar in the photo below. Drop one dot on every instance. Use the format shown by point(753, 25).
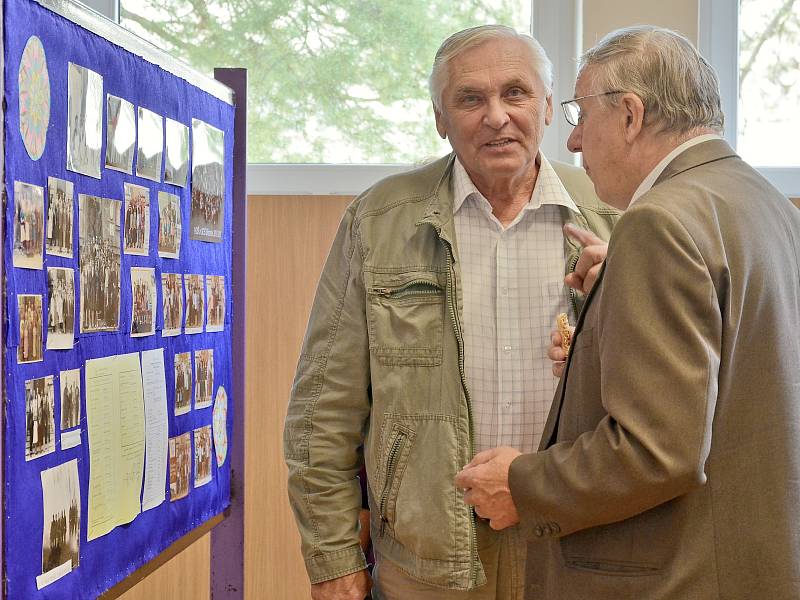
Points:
point(701, 154)
point(439, 211)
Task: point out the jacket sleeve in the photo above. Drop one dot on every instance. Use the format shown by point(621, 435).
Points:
point(327, 412)
point(659, 340)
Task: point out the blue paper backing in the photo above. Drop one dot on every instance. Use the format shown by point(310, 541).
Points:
point(107, 560)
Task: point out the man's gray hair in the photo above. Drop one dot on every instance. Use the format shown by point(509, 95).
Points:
point(475, 36)
point(679, 89)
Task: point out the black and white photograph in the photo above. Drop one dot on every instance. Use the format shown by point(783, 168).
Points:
point(176, 166)
point(215, 294)
point(143, 301)
point(60, 201)
point(172, 303)
point(62, 516)
point(151, 145)
point(60, 308)
point(99, 263)
point(30, 328)
point(40, 426)
point(195, 303)
point(204, 378)
point(183, 383)
point(28, 225)
point(70, 387)
point(137, 220)
point(202, 455)
point(208, 183)
point(180, 465)
point(120, 134)
point(84, 121)
point(169, 225)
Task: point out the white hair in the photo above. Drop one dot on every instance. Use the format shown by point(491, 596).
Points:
point(475, 36)
point(679, 89)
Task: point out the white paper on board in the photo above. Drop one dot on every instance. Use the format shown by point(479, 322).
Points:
point(156, 430)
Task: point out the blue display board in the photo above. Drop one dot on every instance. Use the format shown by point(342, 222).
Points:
point(108, 559)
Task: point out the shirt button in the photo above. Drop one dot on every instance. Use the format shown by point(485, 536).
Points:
point(507, 348)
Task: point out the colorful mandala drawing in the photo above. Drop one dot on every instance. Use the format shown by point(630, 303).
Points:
point(220, 419)
point(34, 97)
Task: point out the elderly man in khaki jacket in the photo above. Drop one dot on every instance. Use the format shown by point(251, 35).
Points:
point(669, 468)
point(428, 337)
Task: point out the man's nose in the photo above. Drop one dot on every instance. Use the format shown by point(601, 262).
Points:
point(574, 140)
point(496, 114)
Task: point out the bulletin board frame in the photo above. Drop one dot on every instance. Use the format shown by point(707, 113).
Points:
point(226, 526)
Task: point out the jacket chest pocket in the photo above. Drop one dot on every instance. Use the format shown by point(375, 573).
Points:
point(405, 320)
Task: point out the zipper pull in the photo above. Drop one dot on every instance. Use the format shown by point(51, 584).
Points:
point(380, 291)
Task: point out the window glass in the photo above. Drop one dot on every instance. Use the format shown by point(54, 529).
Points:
point(343, 81)
point(769, 82)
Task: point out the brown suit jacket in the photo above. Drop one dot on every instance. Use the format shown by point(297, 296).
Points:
point(670, 463)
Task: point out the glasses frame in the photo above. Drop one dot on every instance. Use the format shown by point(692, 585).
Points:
point(566, 103)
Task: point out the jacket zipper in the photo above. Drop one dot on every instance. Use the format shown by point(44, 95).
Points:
point(417, 287)
point(391, 464)
point(457, 328)
point(573, 296)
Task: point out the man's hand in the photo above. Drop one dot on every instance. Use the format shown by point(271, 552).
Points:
point(556, 352)
point(485, 484)
point(354, 586)
point(589, 262)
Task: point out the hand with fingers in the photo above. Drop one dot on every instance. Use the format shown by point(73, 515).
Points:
point(485, 484)
point(590, 260)
point(557, 353)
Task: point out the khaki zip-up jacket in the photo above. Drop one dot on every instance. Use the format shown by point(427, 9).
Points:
point(381, 379)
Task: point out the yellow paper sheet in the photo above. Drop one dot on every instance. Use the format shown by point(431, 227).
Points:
point(115, 423)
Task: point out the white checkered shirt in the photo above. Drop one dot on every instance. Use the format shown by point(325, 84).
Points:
point(513, 283)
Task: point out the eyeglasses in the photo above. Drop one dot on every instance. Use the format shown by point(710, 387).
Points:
point(572, 112)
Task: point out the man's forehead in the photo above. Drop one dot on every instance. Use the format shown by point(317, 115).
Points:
point(499, 55)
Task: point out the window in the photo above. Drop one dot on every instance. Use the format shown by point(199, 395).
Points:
point(336, 81)
point(768, 127)
point(755, 47)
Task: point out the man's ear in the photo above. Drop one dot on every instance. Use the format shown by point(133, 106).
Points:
point(439, 123)
point(548, 115)
point(633, 112)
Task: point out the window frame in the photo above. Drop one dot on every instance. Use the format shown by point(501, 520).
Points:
point(720, 45)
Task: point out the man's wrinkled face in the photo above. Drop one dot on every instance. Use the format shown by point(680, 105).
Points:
point(599, 136)
point(494, 110)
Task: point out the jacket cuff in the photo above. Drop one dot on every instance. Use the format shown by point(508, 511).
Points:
point(534, 526)
point(331, 565)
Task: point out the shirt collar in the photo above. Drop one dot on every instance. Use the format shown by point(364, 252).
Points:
point(648, 181)
point(548, 188)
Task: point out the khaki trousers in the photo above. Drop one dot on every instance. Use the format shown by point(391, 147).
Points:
point(502, 554)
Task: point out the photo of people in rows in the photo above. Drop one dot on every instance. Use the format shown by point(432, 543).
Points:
point(28, 225)
point(61, 515)
point(99, 263)
point(60, 308)
point(208, 182)
point(215, 291)
point(143, 295)
point(172, 303)
point(40, 426)
point(202, 455)
point(180, 466)
point(183, 383)
point(137, 220)
point(195, 301)
point(204, 377)
point(29, 348)
point(169, 225)
point(59, 217)
point(70, 398)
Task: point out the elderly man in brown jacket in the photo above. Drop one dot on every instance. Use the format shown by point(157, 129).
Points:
point(669, 468)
